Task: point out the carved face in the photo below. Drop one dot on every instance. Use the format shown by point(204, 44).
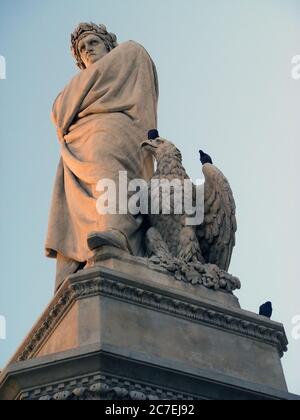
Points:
point(91, 49)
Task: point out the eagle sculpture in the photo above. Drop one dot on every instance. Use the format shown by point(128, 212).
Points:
point(198, 254)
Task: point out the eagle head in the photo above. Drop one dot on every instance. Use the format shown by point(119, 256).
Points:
point(160, 148)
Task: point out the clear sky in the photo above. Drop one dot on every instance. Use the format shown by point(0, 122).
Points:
point(225, 85)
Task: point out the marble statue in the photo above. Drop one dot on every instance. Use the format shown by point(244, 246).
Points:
point(102, 116)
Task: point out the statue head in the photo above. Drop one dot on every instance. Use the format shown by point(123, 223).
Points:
point(90, 42)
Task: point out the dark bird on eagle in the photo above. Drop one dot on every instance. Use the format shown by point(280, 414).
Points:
point(212, 241)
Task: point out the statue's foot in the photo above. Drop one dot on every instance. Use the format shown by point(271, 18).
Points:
point(113, 238)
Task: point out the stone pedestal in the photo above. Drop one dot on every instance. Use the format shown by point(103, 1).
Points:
point(124, 330)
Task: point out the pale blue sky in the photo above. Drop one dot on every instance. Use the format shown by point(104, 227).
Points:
point(225, 85)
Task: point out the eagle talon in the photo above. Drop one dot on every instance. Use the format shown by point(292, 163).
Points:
point(155, 260)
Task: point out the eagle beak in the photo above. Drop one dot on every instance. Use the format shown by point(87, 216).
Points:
point(149, 143)
point(145, 144)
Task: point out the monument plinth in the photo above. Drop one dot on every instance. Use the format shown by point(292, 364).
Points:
point(124, 330)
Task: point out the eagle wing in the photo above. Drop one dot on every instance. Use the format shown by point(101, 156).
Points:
point(216, 235)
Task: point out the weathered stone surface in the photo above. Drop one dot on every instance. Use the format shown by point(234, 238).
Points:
point(91, 373)
point(144, 270)
point(162, 327)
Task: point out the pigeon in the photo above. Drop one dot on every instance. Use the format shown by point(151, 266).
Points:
point(205, 158)
point(153, 134)
point(266, 310)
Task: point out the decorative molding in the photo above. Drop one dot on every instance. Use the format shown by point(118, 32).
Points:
point(206, 275)
point(48, 322)
point(100, 387)
point(74, 290)
point(179, 307)
point(196, 274)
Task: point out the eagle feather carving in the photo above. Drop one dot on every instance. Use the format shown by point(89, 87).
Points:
point(196, 254)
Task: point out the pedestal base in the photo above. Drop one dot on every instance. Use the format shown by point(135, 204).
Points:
point(124, 331)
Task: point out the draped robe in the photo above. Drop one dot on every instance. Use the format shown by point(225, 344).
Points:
point(102, 116)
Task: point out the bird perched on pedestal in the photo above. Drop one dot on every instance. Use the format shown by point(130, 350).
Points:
point(266, 310)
